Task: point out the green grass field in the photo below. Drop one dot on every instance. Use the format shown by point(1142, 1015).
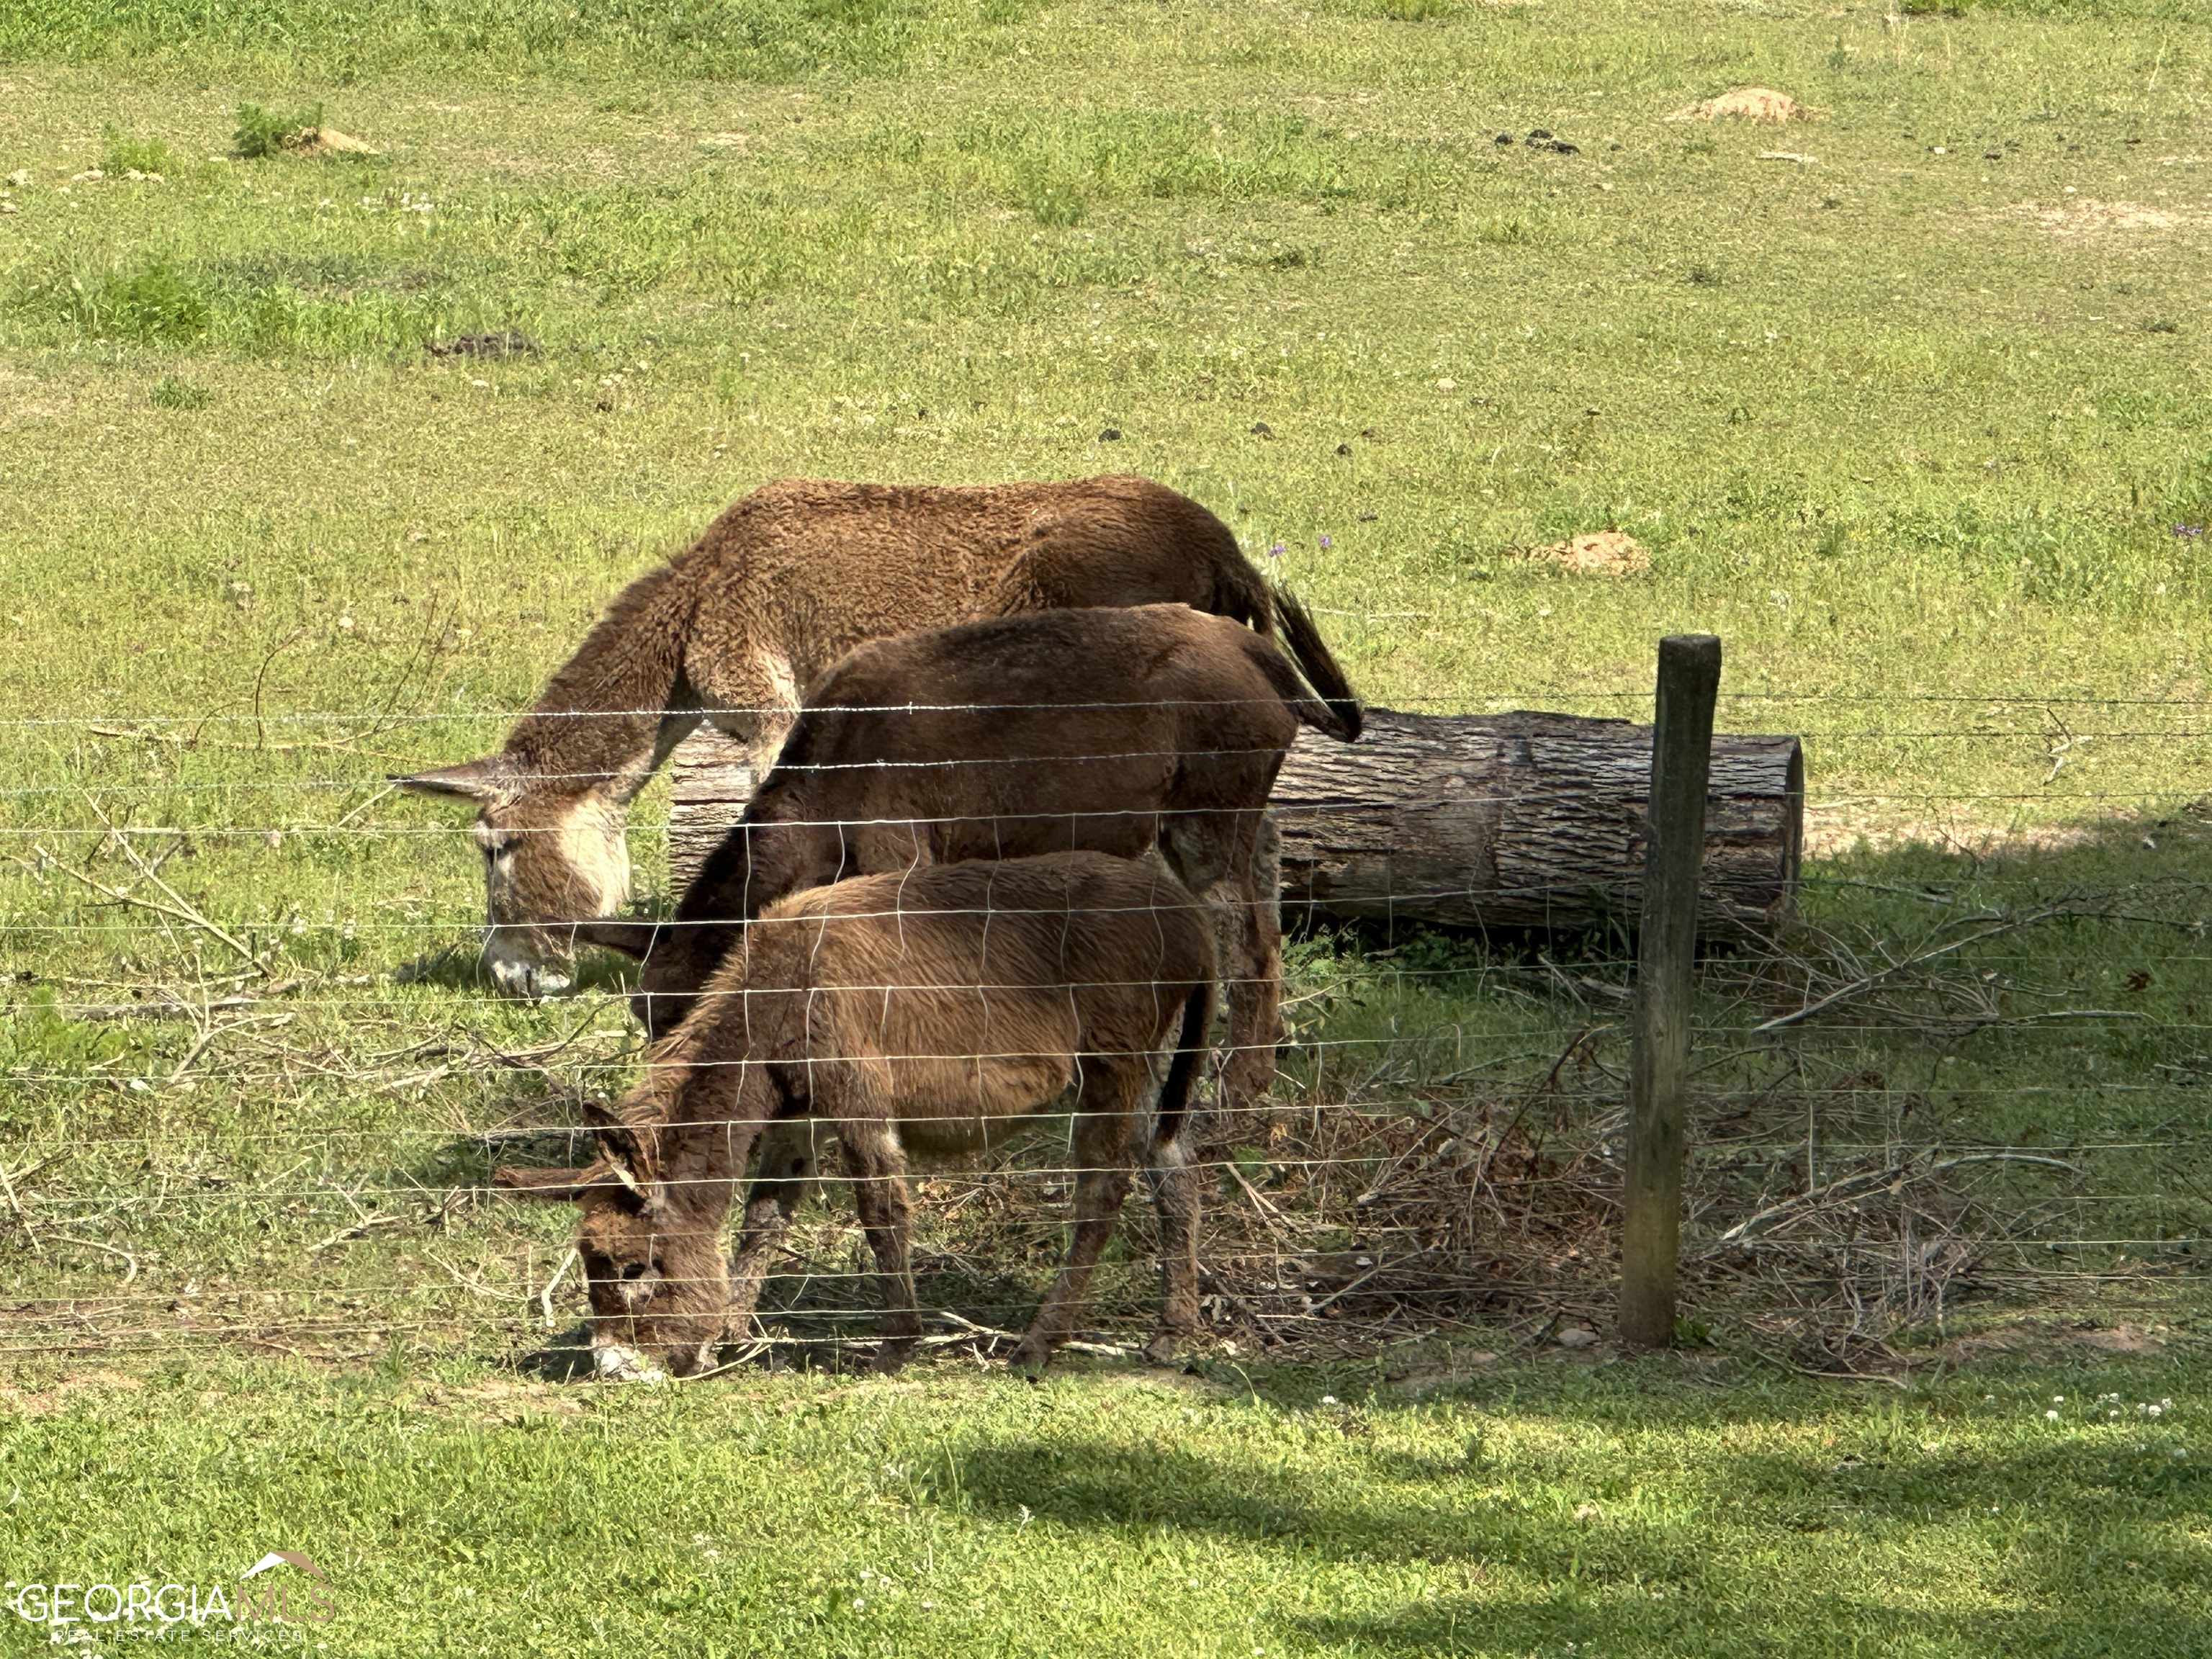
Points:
point(1908, 401)
point(1640, 1509)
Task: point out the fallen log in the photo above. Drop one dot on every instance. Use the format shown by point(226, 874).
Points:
point(1526, 821)
point(1520, 821)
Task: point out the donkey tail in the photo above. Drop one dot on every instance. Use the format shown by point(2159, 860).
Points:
point(1239, 592)
point(1318, 663)
point(1183, 1070)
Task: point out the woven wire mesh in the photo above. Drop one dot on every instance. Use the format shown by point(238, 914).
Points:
point(258, 1079)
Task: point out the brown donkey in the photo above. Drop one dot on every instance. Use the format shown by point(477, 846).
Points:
point(936, 1012)
point(1115, 730)
point(787, 581)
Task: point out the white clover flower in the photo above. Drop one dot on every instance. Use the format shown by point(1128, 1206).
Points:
point(2052, 1416)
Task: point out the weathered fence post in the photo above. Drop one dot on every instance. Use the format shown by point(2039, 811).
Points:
point(1673, 847)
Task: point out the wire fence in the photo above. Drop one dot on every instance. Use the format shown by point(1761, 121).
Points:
point(258, 1079)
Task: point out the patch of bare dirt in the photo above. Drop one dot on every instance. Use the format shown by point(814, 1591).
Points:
point(2044, 1338)
point(1460, 1366)
point(19, 400)
point(498, 1399)
point(58, 1396)
point(1830, 831)
point(2091, 219)
point(1605, 553)
point(1747, 104)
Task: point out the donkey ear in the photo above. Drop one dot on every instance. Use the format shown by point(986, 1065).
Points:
point(630, 1153)
point(598, 1117)
point(621, 1165)
point(633, 939)
point(549, 1186)
point(480, 781)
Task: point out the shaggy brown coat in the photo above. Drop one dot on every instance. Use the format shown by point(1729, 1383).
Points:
point(935, 1012)
point(786, 581)
point(1115, 730)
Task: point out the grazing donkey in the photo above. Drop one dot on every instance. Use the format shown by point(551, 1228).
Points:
point(934, 1011)
point(1115, 730)
point(788, 580)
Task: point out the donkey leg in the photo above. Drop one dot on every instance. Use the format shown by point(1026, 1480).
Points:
point(1255, 987)
point(1175, 1200)
point(1206, 850)
point(1108, 1126)
point(878, 1167)
point(784, 1180)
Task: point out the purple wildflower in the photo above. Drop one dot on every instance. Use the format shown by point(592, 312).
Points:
point(1324, 541)
point(2189, 530)
point(1276, 551)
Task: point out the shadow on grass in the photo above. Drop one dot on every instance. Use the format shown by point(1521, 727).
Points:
point(566, 1356)
point(1627, 1620)
point(460, 967)
point(2060, 1551)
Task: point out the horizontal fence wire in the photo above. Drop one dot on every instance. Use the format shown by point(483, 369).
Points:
point(1527, 695)
point(1912, 1100)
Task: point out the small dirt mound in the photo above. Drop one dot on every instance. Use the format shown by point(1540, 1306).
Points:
point(329, 140)
point(1606, 553)
point(1747, 104)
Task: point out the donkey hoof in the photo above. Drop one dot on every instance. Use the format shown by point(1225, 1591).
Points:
point(1030, 1359)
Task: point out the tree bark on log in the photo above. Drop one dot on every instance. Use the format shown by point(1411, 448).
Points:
point(1526, 821)
point(1512, 822)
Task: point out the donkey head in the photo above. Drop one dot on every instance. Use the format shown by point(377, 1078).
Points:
point(550, 853)
point(651, 1256)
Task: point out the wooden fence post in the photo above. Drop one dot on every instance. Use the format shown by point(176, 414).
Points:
point(1673, 847)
